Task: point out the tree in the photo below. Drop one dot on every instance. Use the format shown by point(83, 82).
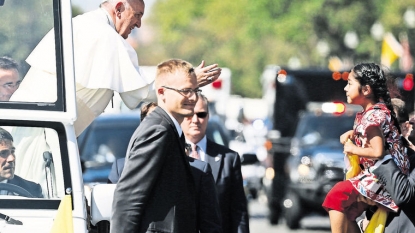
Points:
point(247, 35)
point(19, 33)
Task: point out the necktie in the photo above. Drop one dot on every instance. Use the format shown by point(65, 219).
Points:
point(195, 154)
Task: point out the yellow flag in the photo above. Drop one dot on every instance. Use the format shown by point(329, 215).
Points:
point(354, 164)
point(377, 222)
point(63, 220)
point(391, 50)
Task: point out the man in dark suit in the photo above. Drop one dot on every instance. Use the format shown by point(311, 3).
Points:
point(402, 190)
point(226, 169)
point(156, 190)
point(7, 166)
point(208, 215)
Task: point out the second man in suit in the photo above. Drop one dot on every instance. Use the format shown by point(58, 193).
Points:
point(226, 169)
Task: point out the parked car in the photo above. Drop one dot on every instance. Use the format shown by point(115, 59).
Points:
point(316, 162)
point(107, 138)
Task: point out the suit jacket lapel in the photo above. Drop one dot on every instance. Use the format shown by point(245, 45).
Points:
point(214, 159)
point(164, 115)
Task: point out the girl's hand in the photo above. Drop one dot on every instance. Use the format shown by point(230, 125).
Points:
point(348, 148)
point(345, 136)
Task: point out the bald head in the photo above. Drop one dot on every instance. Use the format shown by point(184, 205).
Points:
point(126, 14)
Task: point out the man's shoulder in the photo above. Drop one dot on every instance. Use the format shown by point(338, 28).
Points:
point(19, 180)
point(34, 188)
point(220, 148)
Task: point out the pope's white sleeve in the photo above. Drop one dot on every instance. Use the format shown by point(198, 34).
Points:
point(132, 98)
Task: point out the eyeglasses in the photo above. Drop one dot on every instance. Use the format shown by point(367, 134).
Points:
point(11, 85)
point(201, 114)
point(5, 153)
point(188, 92)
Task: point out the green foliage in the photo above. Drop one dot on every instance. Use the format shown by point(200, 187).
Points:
point(19, 32)
point(247, 35)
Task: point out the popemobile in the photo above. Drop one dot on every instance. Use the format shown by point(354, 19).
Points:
point(41, 187)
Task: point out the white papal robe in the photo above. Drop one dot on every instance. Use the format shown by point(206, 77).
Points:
point(104, 63)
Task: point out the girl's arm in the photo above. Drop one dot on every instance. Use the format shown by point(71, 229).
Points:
point(374, 148)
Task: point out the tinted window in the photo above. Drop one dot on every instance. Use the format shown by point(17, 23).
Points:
point(324, 127)
point(102, 144)
point(216, 132)
point(24, 23)
point(41, 165)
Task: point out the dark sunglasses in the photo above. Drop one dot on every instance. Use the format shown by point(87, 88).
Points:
point(201, 114)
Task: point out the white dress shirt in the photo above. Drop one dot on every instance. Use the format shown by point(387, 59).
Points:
point(201, 149)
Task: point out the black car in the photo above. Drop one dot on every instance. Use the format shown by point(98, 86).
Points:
point(316, 163)
point(107, 138)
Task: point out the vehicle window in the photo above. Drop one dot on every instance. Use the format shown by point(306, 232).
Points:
point(324, 128)
point(35, 170)
point(36, 85)
point(215, 133)
point(102, 146)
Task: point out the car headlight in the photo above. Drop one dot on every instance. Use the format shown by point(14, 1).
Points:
point(305, 172)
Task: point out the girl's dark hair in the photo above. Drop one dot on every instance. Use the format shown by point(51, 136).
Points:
point(382, 85)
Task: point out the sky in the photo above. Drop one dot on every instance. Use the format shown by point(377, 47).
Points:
point(88, 5)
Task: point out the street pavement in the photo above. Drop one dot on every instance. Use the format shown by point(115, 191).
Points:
point(259, 223)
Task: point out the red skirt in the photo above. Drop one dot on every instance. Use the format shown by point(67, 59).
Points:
point(343, 198)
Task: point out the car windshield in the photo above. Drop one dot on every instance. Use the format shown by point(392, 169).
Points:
point(101, 143)
point(32, 161)
point(102, 146)
point(319, 129)
point(38, 82)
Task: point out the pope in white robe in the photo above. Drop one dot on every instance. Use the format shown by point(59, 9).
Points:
point(104, 62)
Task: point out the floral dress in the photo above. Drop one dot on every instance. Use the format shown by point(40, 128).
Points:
point(366, 182)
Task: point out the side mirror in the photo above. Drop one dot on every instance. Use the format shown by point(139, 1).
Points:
point(248, 159)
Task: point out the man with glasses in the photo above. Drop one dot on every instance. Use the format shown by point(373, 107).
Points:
point(207, 207)
point(9, 78)
point(156, 191)
point(226, 169)
point(8, 180)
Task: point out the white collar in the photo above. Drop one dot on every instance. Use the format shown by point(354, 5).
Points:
point(202, 144)
point(110, 21)
point(176, 124)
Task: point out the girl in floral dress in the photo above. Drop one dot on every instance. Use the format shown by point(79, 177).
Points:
point(376, 135)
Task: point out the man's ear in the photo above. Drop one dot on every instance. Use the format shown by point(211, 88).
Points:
point(119, 6)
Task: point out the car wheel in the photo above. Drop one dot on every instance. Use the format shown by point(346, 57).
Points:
point(293, 212)
point(274, 214)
